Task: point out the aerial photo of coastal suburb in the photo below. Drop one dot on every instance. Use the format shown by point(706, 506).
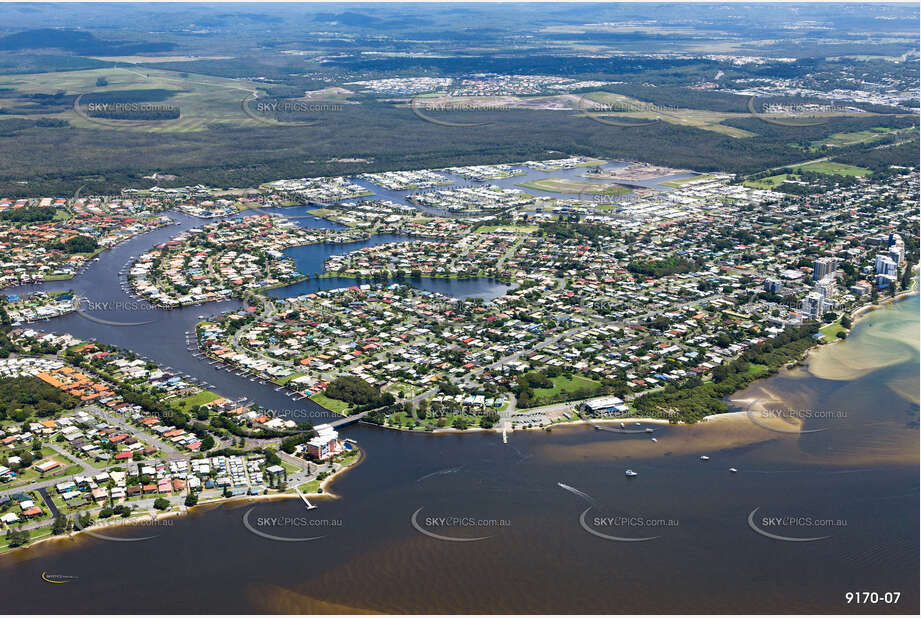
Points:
point(459, 308)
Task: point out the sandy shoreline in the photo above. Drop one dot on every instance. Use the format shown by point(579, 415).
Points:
point(148, 518)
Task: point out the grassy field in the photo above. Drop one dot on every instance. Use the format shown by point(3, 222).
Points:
point(830, 167)
point(698, 118)
point(288, 378)
point(199, 399)
point(858, 137)
point(770, 182)
point(754, 369)
point(310, 487)
point(683, 181)
point(563, 384)
point(201, 99)
point(34, 535)
point(323, 212)
point(333, 405)
point(407, 389)
point(571, 185)
point(831, 330)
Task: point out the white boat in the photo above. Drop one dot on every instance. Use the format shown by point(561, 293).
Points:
point(654, 440)
point(648, 430)
point(733, 470)
point(630, 474)
point(621, 425)
point(704, 458)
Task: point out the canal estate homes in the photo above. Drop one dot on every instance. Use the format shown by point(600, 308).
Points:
point(608, 302)
point(623, 295)
point(595, 299)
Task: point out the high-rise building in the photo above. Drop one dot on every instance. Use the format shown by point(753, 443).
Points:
point(896, 248)
point(825, 287)
point(774, 286)
point(812, 304)
point(823, 267)
point(885, 265)
point(884, 281)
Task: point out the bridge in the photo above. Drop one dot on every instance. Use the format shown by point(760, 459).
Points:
point(348, 420)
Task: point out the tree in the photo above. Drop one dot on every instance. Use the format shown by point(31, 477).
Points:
point(460, 423)
point(829, 316)
point(60, 525)
point(161, 504)
point(906, 278)
point(191, 499)
point(846, 321)
point(489, 419)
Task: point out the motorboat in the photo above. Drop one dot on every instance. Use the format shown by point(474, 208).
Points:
point(704, 458)
point(733, 470)
point(630, 474)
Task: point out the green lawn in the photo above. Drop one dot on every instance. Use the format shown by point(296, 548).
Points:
point(831, 330)
point(34, 535)
point(769, 182)
point(754, 369)
point(684, 181)
point(199, 399)
point(839, 169)
point(30, 474)
point(408, 389)
point(290, 468)
point(286, 379)
point(563, 384)
point(333, 405)
point(310, 487)
point(572, 185)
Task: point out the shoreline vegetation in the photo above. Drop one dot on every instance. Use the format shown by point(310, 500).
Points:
point(148, 518)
